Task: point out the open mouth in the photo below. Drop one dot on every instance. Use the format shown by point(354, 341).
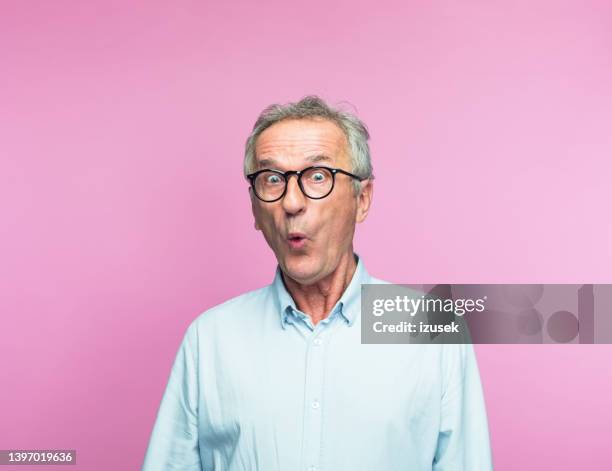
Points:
point(296, 240)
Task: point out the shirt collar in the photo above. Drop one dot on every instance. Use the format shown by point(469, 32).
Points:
point(348, 306)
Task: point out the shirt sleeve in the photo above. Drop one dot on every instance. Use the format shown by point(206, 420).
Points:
point(174, 440)
point(463, 439)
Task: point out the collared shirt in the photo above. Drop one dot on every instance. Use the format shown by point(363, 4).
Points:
point(256, 386)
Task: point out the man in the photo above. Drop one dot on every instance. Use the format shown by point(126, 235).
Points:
point(277, 379)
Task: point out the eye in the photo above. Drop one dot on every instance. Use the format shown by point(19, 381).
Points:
point(318, 177)
point(273, 179)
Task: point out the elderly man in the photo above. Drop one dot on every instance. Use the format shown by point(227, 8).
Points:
point(277, 379)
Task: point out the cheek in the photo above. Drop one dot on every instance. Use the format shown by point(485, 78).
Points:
point(340, 223)
point(266, 220)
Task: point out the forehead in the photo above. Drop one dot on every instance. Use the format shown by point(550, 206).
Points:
point(294, 140)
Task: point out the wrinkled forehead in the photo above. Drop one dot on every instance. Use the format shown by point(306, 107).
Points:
point(291, 143)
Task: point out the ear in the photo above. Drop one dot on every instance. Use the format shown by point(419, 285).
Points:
point(364, 200)
point(254, 210)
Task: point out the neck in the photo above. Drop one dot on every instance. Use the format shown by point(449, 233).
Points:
point(318, 299)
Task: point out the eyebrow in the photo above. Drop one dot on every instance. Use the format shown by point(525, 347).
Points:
point(264, 163)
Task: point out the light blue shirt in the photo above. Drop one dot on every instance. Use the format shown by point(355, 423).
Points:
point(256, 386)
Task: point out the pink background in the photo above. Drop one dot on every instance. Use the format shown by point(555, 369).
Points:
point(124, 214)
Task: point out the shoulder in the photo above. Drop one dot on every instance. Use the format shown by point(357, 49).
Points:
point(377, 281)
point(234, 310)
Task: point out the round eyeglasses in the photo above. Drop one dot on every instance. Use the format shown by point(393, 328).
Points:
point(315, 182)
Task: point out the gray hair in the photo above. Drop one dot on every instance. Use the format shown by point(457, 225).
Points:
point(312, 107)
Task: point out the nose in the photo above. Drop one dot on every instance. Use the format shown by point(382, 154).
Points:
point(294, 200)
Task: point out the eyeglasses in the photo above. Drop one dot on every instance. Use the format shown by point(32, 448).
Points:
point(315, 182)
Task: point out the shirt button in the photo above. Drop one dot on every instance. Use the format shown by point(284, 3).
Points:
point(317, 341)
point(315, 404)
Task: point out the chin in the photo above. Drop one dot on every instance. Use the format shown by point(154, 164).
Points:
point(304, 269)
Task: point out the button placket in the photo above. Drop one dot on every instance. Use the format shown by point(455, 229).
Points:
point(315, 365)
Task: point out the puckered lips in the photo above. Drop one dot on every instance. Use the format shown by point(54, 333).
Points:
point(296, 240)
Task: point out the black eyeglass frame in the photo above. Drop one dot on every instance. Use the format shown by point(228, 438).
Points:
point(298, 173)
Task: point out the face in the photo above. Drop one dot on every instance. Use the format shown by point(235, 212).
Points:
point(309, 237)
